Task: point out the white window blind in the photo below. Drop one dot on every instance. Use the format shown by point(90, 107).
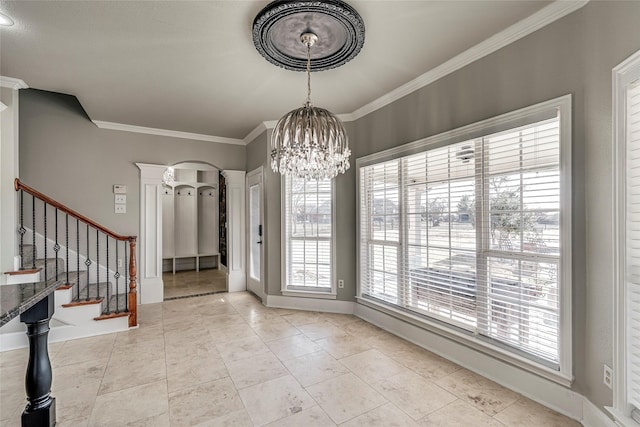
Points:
point(308, 234)
point(632, 261)
point(469, 234)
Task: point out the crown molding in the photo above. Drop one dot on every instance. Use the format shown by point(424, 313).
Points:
point(257, 131)
point(167, 132)
point(528, 25)
point(12, 83)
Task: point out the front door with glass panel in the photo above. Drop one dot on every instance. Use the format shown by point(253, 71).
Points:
point(255, 233)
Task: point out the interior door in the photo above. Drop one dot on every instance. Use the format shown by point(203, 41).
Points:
point(255, 246)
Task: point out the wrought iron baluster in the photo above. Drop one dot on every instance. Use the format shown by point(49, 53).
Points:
point(66, 230)
point(87, 262)
point(98, 262)
point(107, 283)
point(45, 242)
point(126, 279)
point(117, 277)
point(56, 247)
point(22, 230)
point(33, 231)
point(78, 258)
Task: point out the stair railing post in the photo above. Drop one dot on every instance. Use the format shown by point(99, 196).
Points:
point(21, 230)
point(45, 243)
point(33, 230)
point(133, 303)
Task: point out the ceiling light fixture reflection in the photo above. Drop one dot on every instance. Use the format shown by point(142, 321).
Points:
point(5, 21)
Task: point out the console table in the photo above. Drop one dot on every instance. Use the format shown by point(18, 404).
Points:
point(34, 302)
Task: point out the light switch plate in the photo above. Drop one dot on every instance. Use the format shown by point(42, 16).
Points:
point(121, 209)
point(121, 199)
point(119, 189)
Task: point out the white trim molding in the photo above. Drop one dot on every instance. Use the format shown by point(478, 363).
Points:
point(528, 25)
point(622, 75)
point(310, 304)
point(13, 83)
point(166, 132)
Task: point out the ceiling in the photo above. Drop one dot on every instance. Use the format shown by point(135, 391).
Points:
point(192, 67)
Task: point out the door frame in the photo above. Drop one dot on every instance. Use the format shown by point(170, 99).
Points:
point(256, 176)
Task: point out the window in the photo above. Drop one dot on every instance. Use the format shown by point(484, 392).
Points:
point(308, 236)
point(626, 384)
point(470, 231)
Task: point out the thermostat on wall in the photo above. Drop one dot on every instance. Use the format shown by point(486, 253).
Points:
point(120, 189)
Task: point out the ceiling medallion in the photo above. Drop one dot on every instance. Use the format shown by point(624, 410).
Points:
point(277, 29)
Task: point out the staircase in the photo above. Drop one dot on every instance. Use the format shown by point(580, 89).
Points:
point(98, 294)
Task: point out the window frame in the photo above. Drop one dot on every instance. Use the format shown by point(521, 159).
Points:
point(310, 292)
point(486, 127)
point(622, 75)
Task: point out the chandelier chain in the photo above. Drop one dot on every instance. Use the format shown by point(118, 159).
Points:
point(308, 72)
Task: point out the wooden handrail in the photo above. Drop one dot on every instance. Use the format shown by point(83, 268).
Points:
point(132, 294)
point(22, 186)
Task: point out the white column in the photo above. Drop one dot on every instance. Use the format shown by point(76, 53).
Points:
point(236, 277)
point(9, 145)
point(150, 285)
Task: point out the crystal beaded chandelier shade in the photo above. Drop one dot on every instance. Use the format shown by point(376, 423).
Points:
point(309, 142)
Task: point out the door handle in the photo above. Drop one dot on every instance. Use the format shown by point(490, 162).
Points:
point(259, 242)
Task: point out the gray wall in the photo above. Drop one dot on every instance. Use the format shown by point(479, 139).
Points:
point(258, 155)
point(65, 156)
point(573, 55)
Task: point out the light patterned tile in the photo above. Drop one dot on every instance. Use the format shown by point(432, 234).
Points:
point(527, 413)
point(263, 367)
point(459, 413)
point(195, 405)
point(343, 345)
point(482, 393)
point(130, 405)
point(292, 347)
point(242, 349)
point(275, 399)
point(408, 390)
point(270, 331)
point(238, 418)
point(135, 372)
point(345, 397)
point(371, 365)
point(314, 368)
point(321, 329)
point(312, 417)
point(382, 416)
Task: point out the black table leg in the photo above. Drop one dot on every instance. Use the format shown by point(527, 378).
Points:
point(41, 407)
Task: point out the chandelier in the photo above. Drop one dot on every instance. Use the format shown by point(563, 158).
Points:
point(309, 142)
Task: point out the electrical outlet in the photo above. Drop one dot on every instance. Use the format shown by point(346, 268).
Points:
point(341, 284)
point(608, 377)
point(120, 262)
point(120, 209)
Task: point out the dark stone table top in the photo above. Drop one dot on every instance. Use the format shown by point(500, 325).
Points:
point(16, 299)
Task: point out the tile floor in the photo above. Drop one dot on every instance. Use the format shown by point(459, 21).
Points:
point(226, 360)
point(188, 283)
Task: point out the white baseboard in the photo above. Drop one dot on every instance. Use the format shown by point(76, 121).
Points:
point(592, 416)
point(310, 304)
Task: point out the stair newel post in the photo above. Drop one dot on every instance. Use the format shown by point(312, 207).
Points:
point(21, 230)
point(56, 247)
point(44, 204)
point(33, 230)
point(133, 303)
